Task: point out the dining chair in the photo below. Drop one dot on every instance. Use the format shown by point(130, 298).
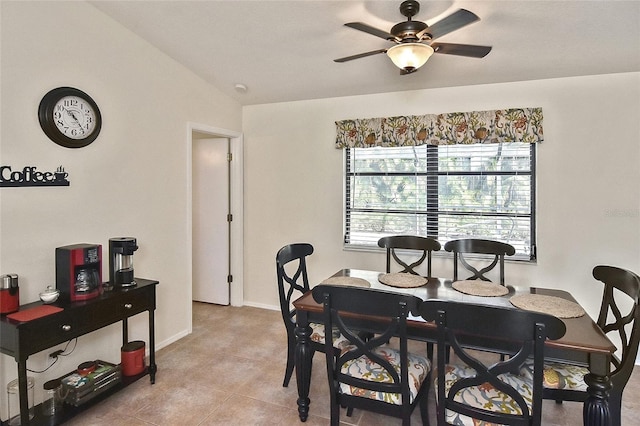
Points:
point(565, 382)
point(465, 246)
point(426, 245)
point(471, 391)
point(372, 374)
point(291, 268)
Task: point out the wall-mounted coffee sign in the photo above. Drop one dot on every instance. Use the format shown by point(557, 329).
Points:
point(29, 176)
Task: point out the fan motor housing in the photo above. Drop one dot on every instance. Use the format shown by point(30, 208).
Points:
point(408, 30)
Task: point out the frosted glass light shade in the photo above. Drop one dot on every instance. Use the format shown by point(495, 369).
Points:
point(410, 56)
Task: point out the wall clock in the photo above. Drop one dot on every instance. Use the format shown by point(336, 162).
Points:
point(69, 117)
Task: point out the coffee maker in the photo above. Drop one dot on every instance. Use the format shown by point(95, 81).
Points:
point(121, 261)
point(79, 271)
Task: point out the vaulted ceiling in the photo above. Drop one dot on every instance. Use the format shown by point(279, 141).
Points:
point(284, 50)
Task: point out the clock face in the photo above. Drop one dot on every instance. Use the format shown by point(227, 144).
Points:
point(69, 117)
point(74, 117)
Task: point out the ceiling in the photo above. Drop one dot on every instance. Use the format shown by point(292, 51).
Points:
point(284, 50)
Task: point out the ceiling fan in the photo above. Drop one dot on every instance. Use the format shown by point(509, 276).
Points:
point(414, 39)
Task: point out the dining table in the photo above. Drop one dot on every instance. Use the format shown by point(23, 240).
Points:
point(584, 343)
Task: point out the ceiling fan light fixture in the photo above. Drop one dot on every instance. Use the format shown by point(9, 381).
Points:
point(410, 56)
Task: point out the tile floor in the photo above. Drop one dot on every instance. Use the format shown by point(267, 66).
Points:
point(229, 371)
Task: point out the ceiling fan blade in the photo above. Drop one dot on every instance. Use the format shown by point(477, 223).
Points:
point(461, 49)
point(360, 55)
point(451, 23)
point(360, 26)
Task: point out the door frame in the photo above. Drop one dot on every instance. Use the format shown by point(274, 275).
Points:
point(236, 185)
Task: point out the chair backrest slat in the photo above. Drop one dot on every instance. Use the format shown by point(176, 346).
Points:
point(425, 245)
point(292, 277)
point(626, 324)
point(479, 246)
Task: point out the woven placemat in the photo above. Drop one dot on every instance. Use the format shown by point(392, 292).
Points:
point(402, 280)
point(480, 288)
point(348, 281)
point(556, 306)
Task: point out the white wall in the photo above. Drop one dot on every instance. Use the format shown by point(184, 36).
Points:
point(588, 179)
point(130, 182)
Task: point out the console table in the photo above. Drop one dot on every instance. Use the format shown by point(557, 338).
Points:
point(22, 339)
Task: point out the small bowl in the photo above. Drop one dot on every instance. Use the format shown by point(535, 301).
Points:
point(50, 295)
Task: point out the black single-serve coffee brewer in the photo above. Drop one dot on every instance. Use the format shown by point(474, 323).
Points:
point(121, 261)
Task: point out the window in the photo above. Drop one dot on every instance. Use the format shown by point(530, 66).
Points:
point(444, 192)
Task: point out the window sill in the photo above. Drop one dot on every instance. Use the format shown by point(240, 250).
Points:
point(520, 259)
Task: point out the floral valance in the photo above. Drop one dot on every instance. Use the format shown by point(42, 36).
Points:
point(503, 125)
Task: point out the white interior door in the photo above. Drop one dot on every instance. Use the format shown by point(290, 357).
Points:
point(210, 226)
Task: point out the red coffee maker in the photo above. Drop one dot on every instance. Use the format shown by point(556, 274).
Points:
point(79, 271)
point(9, 294)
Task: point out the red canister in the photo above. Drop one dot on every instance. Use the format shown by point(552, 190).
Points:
point(132, 358)
point(9, 294)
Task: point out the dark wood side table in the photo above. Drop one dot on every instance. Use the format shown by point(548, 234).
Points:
point(22, 339)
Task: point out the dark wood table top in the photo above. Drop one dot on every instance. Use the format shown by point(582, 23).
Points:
point(583, 334)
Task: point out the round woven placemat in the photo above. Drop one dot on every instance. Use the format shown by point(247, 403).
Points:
point(556, 306)
point(347, 281)
point(480, 288)
point(402, 280)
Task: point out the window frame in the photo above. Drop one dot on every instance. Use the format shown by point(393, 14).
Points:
point(432, 194)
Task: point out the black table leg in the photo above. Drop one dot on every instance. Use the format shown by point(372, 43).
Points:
point(152, 348)
point(125, 332)
point(303, 360)
point(22, 392)
point(596, 407)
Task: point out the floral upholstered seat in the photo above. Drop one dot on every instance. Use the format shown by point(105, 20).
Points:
point(317, 335)
point(484, 396)
point(559, 376)
point(364, 368)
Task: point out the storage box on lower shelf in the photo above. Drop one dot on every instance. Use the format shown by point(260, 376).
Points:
point(77, 389)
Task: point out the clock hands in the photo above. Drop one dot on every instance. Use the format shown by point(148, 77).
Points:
point(71, 113)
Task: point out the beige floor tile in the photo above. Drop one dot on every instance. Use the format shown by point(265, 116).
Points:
point(186, 403)
point(244, 410)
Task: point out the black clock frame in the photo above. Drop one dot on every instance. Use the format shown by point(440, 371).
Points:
point(45, 116)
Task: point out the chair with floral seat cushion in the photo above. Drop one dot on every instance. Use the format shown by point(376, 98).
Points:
point(465, 246)
point(472, 392)
point(565, 382)
point(424, 245)
point(371, 374)
point(291, 268)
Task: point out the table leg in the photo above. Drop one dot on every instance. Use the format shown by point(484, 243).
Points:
point(303, 359)
point(152, 348)
point(125, 332)
point(22, 392)
point(596, 407)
